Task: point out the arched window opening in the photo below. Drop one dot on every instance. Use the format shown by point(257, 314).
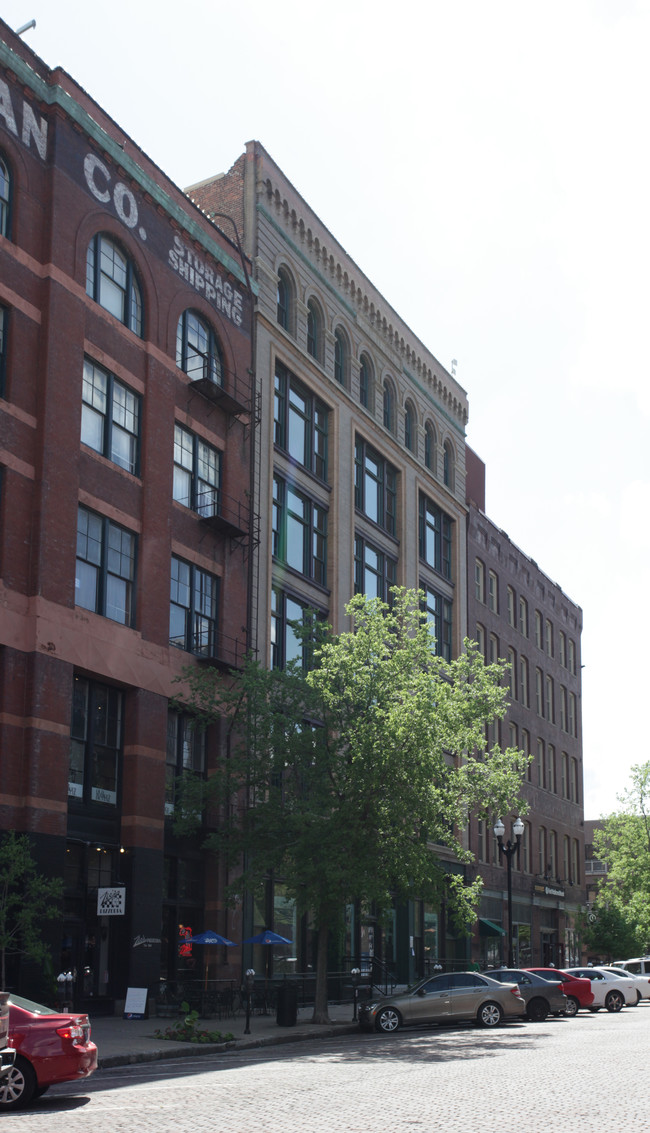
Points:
point(111, 281)
point(198, 352)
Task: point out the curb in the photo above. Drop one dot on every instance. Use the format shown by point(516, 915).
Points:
point(190, 1050)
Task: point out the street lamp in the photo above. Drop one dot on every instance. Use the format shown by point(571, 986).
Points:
point(355, 973)
point(509, 850)
point(250, 982)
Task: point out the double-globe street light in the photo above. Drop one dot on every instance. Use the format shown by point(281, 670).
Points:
point(509, 850)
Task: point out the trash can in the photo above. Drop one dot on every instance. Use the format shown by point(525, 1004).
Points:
point(287, 1005)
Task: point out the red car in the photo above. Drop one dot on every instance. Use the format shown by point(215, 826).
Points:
point(50, 1047)
point(577, 990)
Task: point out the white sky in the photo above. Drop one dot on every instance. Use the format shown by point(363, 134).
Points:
point(487, 167)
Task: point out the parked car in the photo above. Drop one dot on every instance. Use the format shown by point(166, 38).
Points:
point(50, 1047)
point(578, 991)
point(638, 965)
point(445, 999)
point(542, 998)
point(642, 982)
point(7, 1053)
point(610, 991)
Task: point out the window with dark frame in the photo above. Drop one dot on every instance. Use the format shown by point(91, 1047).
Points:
point(430, 448)
point(375, 572)
point(5, 198)
point(287, 613)
point(300, 423)
point(185, 753)
point(435, 537)
point(365, 381)
point(198, 350)
point(409, 427)
point(95, 742)
point(283, 312)
point(194, 604)
point(375, 486)
point(105, 570)
point(439, 612)
point(340, 357)
point(389, 406)
point(299, 531)
point(197, 473)
point(110, 417)
point(4, 320)
point(112, 282)
point(314, 332)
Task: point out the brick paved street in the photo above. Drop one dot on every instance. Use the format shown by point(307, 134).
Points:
point(587, 1075)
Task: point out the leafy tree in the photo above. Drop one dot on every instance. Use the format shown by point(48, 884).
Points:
point(27, 900)
point(623, 841)
point(340, 780)
point(607, 933)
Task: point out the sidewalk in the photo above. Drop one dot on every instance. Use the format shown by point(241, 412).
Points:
point(124, 1041)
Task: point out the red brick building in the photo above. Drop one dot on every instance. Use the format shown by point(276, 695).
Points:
point(126, 390)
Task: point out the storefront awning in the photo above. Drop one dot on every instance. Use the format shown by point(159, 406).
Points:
point(489, 928)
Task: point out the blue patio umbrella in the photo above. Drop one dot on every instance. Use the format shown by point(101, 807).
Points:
point(267, 937)
point(208, 938)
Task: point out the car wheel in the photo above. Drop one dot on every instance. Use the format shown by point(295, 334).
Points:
point(614, 1001)
point(388, 1020)
point(489, 1015)
point(19, 1087)
point(572, 1006)
point(537, 1010)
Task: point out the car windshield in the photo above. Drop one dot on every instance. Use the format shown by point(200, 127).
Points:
point(29, 1005)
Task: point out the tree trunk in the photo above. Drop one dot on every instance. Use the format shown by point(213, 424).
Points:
point(320, 999)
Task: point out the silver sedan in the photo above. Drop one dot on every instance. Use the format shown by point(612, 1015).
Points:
point(454, 996)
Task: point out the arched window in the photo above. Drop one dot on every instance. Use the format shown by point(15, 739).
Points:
point(5, 197)
point(197, 349)
point(285, 300)
point(449, 470)
point(389, 406)
point(409, 426)
point(314, 330)
point(111, 281)
point(340, 357)
point(365, 382)
point(430, 458)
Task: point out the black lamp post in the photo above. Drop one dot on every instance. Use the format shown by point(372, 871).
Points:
point(509, 850)
point(250, 982)
point(355, 973)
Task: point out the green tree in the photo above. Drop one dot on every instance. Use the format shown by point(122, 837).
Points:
point(341, 780)
point(27, 900)
point(607, 933)
point(623, 841)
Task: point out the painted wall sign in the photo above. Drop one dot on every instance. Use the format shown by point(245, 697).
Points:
point(97, 174)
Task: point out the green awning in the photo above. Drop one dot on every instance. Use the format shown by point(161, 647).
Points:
point(489, 928)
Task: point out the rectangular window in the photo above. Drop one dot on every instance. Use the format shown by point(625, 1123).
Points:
point(480, 639)
point(374, 571)
point(375, 486)
point(562, 648)
point(572, 722)
point(439, 614)
point(105, 571)
point(538, 629)
point(565, 775)
point(549, 638)
point(300, 423)
point(573, 782)
point(194, 602)
point(110, 417)
point(511, 606)
point(299, 531)
point(287, 615)
point(551, 776)
point(541, 764)
point(572, 657)
point(550, 700)
point(563, 709)
point(539, 692)
point(435, 537)
point(512, 673)
point(197, 473)
point(185, 753)
point(525, 747)
point(494, 649)
point(479, 581)
point(95, 742)
point(4, 318)
point(493, 592)
point(523, 617)
point(523, 682)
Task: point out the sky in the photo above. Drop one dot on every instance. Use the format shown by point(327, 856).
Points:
point(487, 166)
